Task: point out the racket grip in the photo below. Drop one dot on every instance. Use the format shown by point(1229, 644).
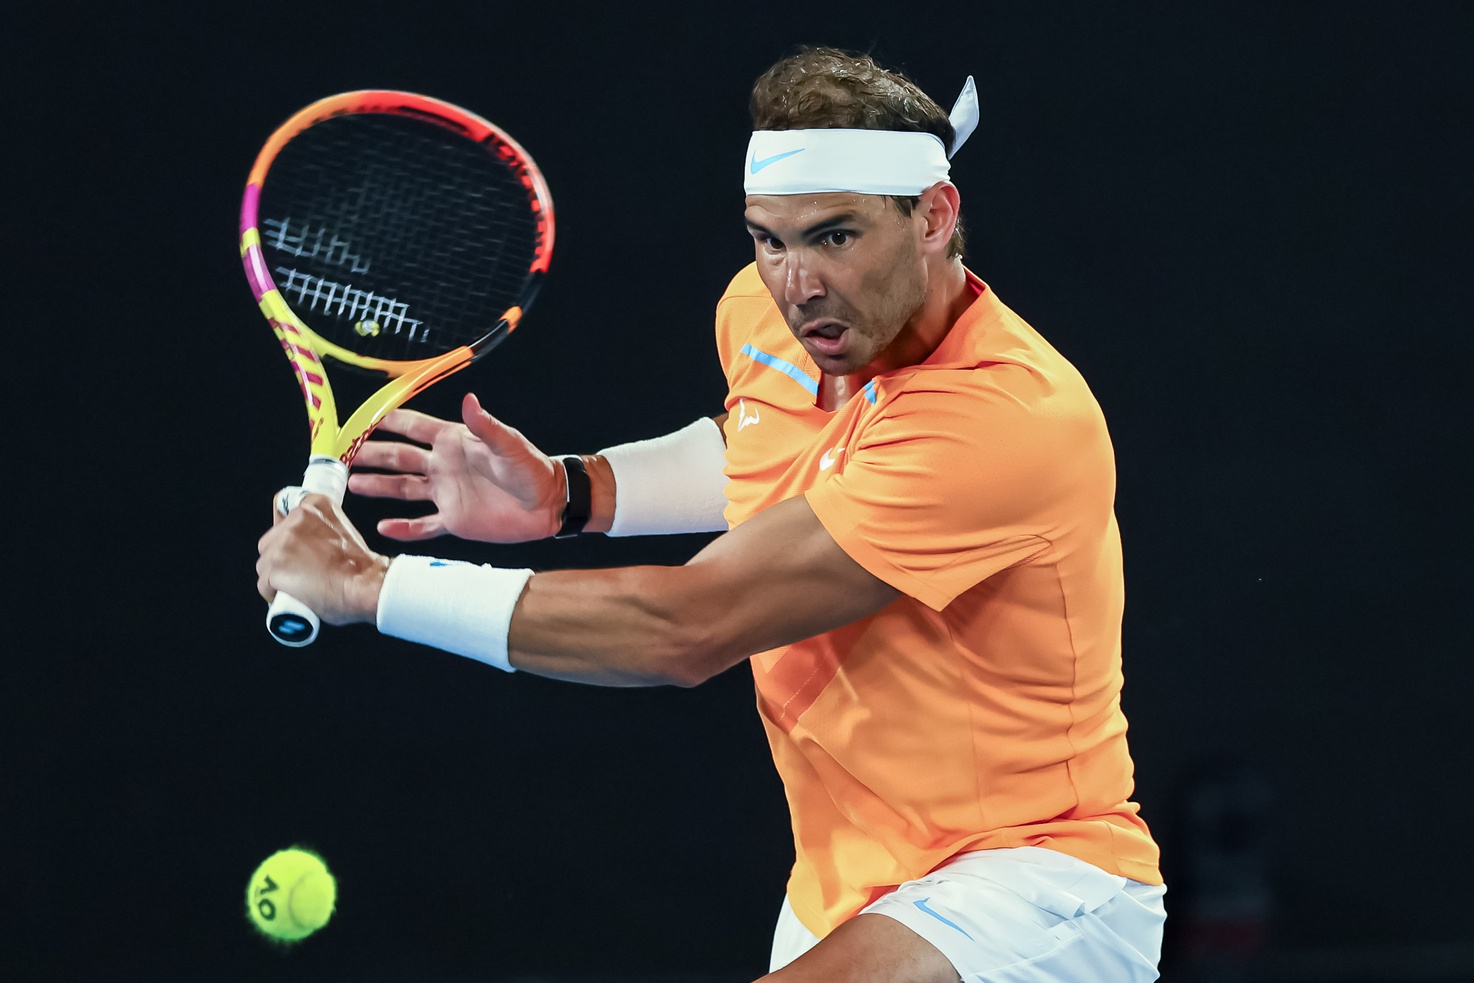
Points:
point(287, 619)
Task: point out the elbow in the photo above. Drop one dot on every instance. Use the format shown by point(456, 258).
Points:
point(686, 636)
point(686, 680)
point(693, 672)
point(689, 656)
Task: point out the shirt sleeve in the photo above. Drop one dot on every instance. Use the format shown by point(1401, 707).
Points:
point(943, 489)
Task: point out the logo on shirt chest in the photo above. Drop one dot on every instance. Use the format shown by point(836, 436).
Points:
point(830, 458)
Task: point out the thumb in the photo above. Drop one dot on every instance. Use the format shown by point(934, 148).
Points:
point(476, 419)
point(496, 435)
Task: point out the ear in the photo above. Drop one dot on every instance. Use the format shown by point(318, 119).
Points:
point(940, 207)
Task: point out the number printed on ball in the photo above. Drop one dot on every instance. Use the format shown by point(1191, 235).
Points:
point(264, 905)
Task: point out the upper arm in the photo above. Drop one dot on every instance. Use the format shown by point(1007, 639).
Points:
point(949, 488)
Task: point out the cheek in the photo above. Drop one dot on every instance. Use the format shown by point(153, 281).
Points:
point(892, 290)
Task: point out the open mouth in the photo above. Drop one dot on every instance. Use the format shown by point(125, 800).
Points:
point(827, 337)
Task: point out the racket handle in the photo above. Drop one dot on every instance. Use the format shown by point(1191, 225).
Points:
point(289, 620)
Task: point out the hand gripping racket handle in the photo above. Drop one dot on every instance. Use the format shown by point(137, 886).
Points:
point(289, 620)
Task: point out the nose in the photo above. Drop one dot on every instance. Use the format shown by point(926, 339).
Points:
point(801, 281)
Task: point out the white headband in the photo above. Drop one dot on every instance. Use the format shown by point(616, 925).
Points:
point(872, 162)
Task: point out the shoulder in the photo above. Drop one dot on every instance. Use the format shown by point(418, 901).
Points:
point(745, 311)
point(1004, 402)
point(745, 296)
point(746, 283)
point(994, 368)
point(1031, 424)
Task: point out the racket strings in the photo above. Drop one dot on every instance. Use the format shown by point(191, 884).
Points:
point(394, 237)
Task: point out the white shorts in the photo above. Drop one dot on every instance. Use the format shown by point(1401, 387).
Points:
point(1019, 915)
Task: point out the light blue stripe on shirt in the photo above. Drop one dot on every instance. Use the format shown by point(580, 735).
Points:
point(787, 368)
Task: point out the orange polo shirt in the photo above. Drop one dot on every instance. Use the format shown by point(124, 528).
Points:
point(981, 709)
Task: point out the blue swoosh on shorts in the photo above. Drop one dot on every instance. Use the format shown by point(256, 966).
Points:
point(945, 921)
point(756, 165)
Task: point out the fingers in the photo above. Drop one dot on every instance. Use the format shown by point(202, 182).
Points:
point(405, 487)
point(263, 559)
point(419, 427)
point(391, 455)
point(412, 530)
point(316, 555)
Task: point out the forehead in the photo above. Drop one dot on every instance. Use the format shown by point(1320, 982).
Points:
point(799, 211)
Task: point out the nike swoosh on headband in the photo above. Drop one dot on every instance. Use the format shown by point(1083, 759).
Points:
point(757, 165)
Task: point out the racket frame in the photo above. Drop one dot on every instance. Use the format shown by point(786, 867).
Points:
point(333, 444)
point(305, 348)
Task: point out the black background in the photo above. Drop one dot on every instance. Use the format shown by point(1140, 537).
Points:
point(1246, 223)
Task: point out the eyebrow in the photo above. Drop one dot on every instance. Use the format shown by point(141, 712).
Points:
point(842, 220)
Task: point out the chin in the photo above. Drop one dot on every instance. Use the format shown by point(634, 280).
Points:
point(831, 364)
point(839, 365)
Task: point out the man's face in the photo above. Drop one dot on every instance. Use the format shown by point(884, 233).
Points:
point(846, 270)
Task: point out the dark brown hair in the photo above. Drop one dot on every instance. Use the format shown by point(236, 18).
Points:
point(823, 88)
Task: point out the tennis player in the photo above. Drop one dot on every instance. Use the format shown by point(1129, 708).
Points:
point(920, 562)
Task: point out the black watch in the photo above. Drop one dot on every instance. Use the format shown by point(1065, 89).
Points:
point(580, 498)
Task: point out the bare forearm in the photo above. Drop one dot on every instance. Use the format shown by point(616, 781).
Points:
point(632, 626)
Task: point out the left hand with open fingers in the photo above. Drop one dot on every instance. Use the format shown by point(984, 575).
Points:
point(487, 481)
point(316, 555)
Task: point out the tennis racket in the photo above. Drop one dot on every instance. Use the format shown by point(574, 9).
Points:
point(394, 234)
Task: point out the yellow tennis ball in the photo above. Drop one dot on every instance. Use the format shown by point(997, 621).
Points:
point(291, 895)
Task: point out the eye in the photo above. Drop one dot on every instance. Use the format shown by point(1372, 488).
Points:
point(836, 237)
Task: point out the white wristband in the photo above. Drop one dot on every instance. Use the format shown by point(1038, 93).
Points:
point(670, 484)
point(460, 607)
